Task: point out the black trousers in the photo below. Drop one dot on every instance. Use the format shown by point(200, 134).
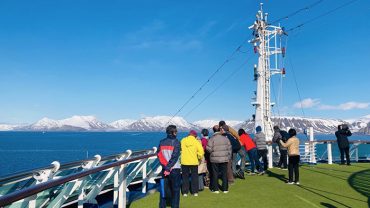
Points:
point(283, 159)
point(219, 169)
point(294, 168)
point(193, 171)
point(346, 151)
point(263, 154)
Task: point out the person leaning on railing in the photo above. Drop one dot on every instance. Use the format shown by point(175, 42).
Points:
point(293, 151)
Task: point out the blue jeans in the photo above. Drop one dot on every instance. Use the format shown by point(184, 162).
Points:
point(253, 158)
point(241, 153)
point(174, 184)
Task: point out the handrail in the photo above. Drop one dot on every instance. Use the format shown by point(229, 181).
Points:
point(29, 173)
point(331, 141)
point(27, 192)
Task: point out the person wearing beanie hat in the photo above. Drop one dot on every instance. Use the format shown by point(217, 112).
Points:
point(260, 140)
point(191, 153)
point(193, 133)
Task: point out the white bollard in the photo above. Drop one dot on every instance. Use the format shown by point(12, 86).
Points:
point(330, 156)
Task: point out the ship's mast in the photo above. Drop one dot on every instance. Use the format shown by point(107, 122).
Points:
point(267, 44)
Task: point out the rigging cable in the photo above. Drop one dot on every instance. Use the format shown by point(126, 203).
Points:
point(298, 11)
point(208, 80)
point(322, 15)
point(218, 87)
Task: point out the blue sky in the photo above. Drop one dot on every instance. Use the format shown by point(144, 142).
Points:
point(130, 59)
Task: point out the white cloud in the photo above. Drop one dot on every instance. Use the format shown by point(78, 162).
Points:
point(345, 106)
point(307, 103)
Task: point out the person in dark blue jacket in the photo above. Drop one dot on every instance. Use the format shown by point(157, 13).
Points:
point(168, 156)
point(342, 139)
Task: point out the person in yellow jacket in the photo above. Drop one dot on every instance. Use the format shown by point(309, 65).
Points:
point(191, 154)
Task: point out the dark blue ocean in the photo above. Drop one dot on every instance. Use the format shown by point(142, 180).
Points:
point(21, 151)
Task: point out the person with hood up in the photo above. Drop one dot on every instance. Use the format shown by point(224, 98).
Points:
point(191, 154)
point(260, 141)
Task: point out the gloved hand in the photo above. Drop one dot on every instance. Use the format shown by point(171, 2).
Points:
point(166, 173)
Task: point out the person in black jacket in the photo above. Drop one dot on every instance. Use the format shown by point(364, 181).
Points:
point(235, 147)
point(342, 139)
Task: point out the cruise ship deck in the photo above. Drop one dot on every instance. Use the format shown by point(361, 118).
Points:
point(321, 185)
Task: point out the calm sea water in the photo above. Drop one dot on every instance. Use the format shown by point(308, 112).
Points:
point(21, 151)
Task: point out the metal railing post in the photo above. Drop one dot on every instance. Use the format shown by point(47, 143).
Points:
point(356, 152)
point(43, 176)
point(312, 147)
point(117, 178)
point(122, 187)
point(330, 156)
point(144, 173)
point(269, 147)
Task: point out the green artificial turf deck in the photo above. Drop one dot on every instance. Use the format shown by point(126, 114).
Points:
point(320, 186)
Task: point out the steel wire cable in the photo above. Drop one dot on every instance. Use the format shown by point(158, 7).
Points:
point(298, 11)
point(219, 86)
point(208, 80)
point(321, 15)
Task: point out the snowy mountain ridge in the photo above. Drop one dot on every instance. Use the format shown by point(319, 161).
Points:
point(159, 123)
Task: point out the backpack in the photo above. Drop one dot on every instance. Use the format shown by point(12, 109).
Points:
point(235, 144)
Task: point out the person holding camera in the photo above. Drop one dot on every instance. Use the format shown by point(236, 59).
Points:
point(342, 139)
point(293, 152)
point(284, 136)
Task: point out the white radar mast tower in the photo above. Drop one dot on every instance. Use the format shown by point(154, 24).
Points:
point(267, 43)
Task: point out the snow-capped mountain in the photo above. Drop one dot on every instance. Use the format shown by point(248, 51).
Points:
point(85, 122)
point(208, 124)
point(323, 126)
point(159, 123)
point(44, 124)
point(75, 123)
point(7, 127)
point(359, 124)
point(122, 124)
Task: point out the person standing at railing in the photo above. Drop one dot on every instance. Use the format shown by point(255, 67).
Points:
point(241, 151)
point(204, 141)
point(168, 156)
point(219, 148)
point(281, 135)
point(250, 146)
point(293, 151)
point(191, 153)
point(342, 139)
point(260, 141)
point(235, 147)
